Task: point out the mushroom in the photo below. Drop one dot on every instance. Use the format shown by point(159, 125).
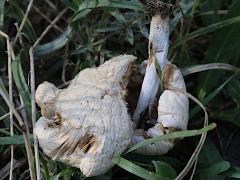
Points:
point(173, 104)
point(87, 123)
point(173, 109)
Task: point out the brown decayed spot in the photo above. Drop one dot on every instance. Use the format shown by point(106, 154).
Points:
point(167, 75)
point(48, 110)
point(152, 55)
point(86, 143)
point(57, 121)
point(131, 86)
point(126, 76)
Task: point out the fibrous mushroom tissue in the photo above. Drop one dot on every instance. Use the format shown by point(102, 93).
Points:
point(89, 122)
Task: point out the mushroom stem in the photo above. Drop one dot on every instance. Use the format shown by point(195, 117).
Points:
point(157, 50)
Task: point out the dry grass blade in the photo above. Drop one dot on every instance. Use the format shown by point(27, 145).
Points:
point(25, 135)
point(37, 162)
point(23, 21)
point(10, 92)
point(205, 67)
point(51, 4)
point(201, 141)
point(9, 102)
point(17, 163)
point(50, 26)
point(47, 19)
point(10, 99)
point(194, 169)
point(33, 103)
point(8, 114)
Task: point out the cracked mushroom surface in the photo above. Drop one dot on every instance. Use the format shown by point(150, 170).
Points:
point(87, 123)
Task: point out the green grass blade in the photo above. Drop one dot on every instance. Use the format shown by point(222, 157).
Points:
point(209, 29)
point(234, 172)
point(135, 169)
point(15, 139)
point(185, 5)
point(213, 27)
point(165, 170)
point(16, 12)
point(2, 86)
point(206, 67)
point(227, 116)
point(223, 47)
point(215, 169)
point(91, 4)
point(54, 45)
point(21, 84)
point(70, 4)
point(212, 95)
point(234, 89)
point(173, 135)
point(4, 131)
point(2, 5)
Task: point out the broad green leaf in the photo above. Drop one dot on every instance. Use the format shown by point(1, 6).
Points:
point(215, 169)
point(2, 5)
point(234, 172)
point(209, 154)
point(135, 169)
point(65, 174)
point(54, 45)
point(21, 84)
point(164, 170)
point(91, 4)
point(173, 135)
point(172, 161)
point(15, 139)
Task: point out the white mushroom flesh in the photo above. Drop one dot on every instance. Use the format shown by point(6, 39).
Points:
point(87, 123)
point(173, 110)
point(158, 50)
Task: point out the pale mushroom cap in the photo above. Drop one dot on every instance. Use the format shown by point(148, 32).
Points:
point(45, 96)
point(91, 123)
point(46, 93)
point(173, 105)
